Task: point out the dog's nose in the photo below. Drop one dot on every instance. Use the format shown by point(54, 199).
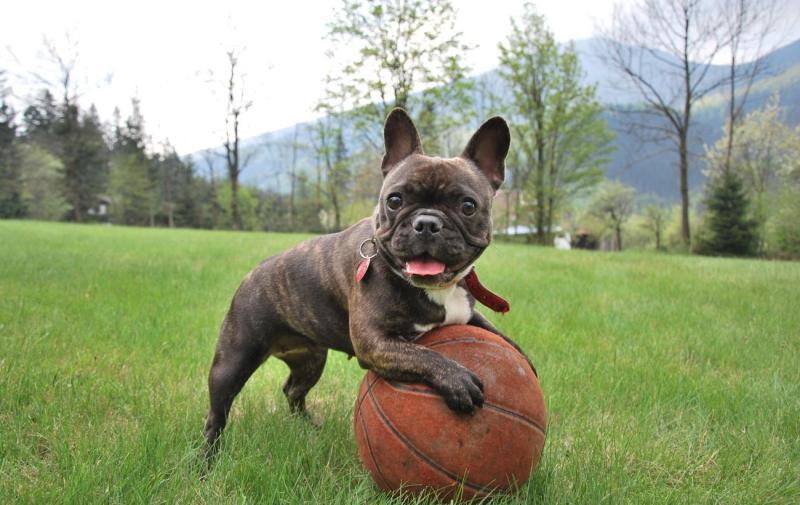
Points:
point(426, 224)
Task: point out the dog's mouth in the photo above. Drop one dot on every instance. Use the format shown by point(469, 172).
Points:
point(424, 266)
point(427, 272)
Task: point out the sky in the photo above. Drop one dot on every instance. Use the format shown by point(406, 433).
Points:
point(171, 55)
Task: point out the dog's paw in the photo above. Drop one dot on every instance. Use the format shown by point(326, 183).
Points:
point(462, 390)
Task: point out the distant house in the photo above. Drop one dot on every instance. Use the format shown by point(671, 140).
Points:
point(100, 209)
point(585, 239)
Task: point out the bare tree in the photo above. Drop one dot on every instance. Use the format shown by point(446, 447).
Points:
point(64, 62)
point(327, 141)
point(237, 105)
point(748, 23)
point(665, 49)
point(613, 203)
point(285, 155)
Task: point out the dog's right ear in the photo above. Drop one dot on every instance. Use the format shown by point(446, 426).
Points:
point(401, 139)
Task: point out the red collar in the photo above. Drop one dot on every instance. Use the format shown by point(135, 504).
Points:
point(483, 295)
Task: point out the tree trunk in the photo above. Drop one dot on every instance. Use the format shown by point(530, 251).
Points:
point(337, 221)
point(549, 220)
point(618, 229)
point(540, 201)
point(292, 177)
point(290, 210)
point(684, 169)
point(76, 212)
point(731, 113)
point(683, 133)
point(236, 219)
point(508, 211)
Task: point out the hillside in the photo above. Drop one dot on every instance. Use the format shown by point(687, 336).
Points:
point(649, 167)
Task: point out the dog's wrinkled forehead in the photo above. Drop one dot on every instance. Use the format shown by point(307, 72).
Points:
point(433, 178)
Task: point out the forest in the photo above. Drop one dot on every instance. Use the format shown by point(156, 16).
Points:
point(61, 161)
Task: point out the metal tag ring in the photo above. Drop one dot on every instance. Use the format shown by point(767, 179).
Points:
point(361, 249)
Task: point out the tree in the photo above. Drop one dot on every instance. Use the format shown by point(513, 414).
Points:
point(11, 203)
point(748, 22)
point(655, 219)
point(765, 151)
point(327, 141)
point(665, 49)
point(562, 141)
point(728, 230)
point(213, 208)
point(84, 158)
point(408, 54)
point(42, 183)
point(133, 184)
point(75, 136)
point(176, 186)
point(236, 105)
point(784, 227)
point(613, 203)
point(39, 120)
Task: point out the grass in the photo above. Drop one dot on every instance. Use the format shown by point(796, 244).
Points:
point(669, 379)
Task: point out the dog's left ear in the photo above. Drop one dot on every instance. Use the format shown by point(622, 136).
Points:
point(401, 139)
point(488, 148)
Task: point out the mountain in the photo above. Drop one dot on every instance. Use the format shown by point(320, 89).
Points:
point(650, 167)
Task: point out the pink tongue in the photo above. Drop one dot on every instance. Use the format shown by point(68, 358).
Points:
point(422, 267)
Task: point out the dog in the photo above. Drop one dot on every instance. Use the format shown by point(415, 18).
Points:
point(372, 289)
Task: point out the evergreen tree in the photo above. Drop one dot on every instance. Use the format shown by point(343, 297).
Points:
point(133, 182)
point(84, 154)
point(39, 120)
point(188, 196)
point(11, 204)
point(728, 230)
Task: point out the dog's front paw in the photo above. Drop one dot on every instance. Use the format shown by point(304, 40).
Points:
point(462, 390)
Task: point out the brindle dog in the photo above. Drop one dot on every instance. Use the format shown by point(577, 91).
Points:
point(433, 220)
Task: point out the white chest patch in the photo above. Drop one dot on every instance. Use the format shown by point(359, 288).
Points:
point(455, 303)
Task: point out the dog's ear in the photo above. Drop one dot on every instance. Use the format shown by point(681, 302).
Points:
point(401, 139)
point(488, 148)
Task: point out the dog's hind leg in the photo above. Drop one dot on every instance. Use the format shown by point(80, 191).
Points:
point(306, 364)
point(237, 356)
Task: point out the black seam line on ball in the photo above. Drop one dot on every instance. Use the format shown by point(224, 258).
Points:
point(491, 406)
point(369, 446)
point(369, 387)
point(424, 457)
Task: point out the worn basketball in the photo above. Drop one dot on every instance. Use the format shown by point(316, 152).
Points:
point(409, 439)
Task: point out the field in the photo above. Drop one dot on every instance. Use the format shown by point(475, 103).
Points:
point(669, 379)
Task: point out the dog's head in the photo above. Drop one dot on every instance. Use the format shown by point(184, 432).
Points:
point(434, 216)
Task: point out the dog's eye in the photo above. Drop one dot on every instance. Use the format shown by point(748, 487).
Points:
point(468, 206)
point(394, 201)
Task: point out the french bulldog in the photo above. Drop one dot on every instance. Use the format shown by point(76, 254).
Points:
point(373, 288)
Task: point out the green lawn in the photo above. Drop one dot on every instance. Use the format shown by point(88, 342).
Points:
point(669, 379)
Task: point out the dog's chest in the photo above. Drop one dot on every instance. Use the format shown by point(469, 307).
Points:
point(454, 301)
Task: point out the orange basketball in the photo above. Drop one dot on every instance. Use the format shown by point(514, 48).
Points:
point(408, 438)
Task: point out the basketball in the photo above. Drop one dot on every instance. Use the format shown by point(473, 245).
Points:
point(409, 439)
